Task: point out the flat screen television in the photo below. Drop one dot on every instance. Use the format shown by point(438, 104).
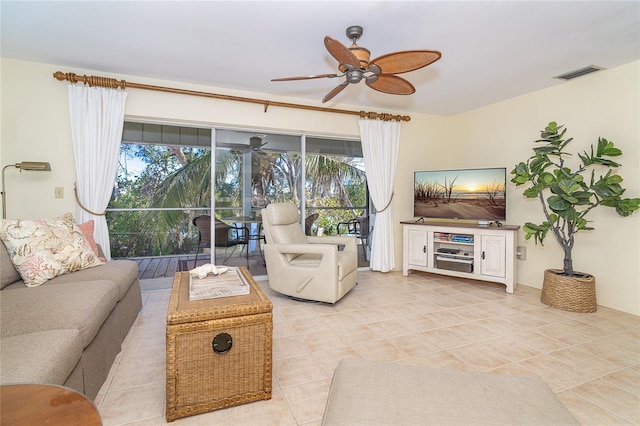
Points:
point(471, 194)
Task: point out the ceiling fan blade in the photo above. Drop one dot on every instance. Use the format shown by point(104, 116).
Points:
point(393, 84)
point(341, 53)
point(335, 91)
point(307, 77)
point(410, 60)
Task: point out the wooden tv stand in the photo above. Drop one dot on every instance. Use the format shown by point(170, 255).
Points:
point(465, 250)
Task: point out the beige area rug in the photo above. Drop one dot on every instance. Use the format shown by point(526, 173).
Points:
point(156, 284)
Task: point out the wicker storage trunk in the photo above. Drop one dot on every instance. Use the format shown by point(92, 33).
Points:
point(218, 350)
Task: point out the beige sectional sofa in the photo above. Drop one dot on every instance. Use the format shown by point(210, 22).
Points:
point(69, 330)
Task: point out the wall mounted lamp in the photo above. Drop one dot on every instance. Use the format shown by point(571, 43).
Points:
point(38, 166)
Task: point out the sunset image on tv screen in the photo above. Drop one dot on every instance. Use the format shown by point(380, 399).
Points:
point(461, 194)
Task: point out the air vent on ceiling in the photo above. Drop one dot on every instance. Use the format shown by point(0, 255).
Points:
point(579, 72)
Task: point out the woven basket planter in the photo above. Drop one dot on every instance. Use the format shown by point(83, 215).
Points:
point(573, 294)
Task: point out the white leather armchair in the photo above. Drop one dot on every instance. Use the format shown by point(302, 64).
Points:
point(306, 267)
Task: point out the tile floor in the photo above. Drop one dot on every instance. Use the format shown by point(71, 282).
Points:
point(592, 361)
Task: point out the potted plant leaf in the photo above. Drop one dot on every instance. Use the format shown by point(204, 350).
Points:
point(566, 197)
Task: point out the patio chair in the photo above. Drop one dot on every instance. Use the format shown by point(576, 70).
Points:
point(308, 223)
point(358, 228)
point(227, 236)
point(321, 269)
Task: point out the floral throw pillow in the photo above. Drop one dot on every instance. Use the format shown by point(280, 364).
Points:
point(43, 249)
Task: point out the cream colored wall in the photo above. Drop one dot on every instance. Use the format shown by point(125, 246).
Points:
point(35, 127)
point(424, 145)
point(601, 104)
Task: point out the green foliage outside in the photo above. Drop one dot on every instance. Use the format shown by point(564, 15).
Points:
point(151, 233)
point(179, 177)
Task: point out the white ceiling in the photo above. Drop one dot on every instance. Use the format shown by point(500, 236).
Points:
point(491, 51)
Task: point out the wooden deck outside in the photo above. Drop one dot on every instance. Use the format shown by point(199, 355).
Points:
point(167, 266)
point(158, 267)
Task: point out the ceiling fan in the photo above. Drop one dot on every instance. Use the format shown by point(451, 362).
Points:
point(256, 144)
point(379, 74)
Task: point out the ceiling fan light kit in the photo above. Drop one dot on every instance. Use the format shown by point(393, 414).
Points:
point(379, 74)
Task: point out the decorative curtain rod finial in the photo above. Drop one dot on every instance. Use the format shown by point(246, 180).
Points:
point(90, 80)
point(60, 76)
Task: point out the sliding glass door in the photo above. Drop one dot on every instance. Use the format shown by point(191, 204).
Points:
point(161, 184)
point(253, 169)
point(169, 175)
point(261, 168)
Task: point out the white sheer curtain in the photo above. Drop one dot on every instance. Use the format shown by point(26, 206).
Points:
point(380, 141)
point(97, 119)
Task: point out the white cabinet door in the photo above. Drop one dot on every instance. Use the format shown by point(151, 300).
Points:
point(493, 256)
point(417, 246)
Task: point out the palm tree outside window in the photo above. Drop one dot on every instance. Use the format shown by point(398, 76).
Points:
point(164, 180)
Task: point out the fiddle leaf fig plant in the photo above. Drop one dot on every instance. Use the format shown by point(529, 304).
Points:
point(565, 194)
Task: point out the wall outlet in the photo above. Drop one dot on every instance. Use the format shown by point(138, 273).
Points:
point(59, 192)
point(521, 253)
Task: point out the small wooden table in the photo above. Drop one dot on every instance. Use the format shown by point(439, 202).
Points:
point(218, 350)
point(42, 404)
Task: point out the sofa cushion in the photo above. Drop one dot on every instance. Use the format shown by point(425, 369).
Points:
point(83, 306)
point(41, 357)
point(43, 249)
point(122, 272)
point(8, 273)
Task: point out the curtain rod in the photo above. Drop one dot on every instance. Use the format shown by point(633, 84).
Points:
point(122, 84)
